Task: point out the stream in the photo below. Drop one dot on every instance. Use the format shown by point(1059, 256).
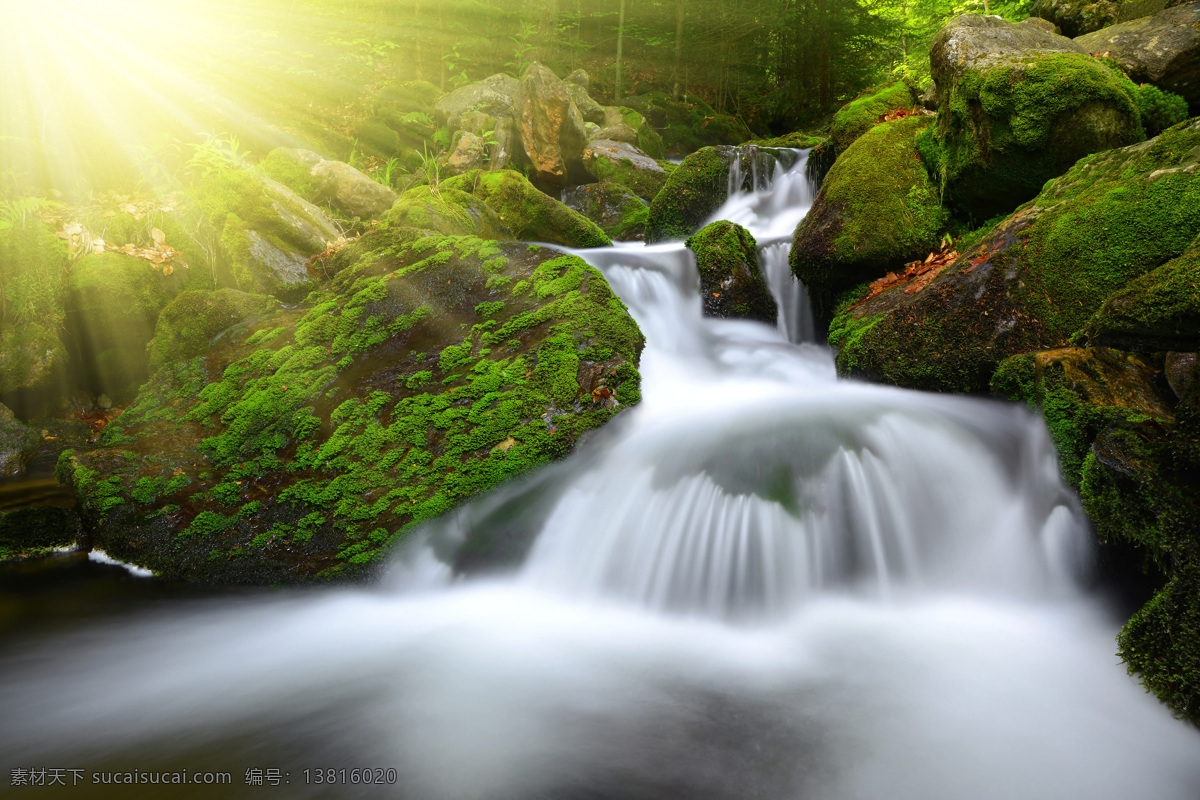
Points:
point(761, 582)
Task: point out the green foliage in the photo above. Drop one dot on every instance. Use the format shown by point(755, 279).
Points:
point(1159, 110)
point(216, 154)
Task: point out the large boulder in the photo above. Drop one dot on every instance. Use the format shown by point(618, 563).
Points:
point(732, 284)
point(528, 213)
point(268, 232)
point(876, 210)
point(1018, 106)
point(694, 191)
point(857, 117)
point(552, 132)
point(1077, 17)
point(1036, 278)
point(447, 210)
point(1163, 49)
point(299, 446)
point(190, 322)
point(17, 443)
point(577, 86)
point(335, 182)
point(496, 96)
point(617, 209)
point(113, 304)
point(621, 162)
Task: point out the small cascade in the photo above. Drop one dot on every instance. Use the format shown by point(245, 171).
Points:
point(795, 312)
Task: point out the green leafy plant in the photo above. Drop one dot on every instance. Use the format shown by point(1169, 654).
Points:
point(216, 154)
point(1159, 110)
point(456, 64)
point(523, 48)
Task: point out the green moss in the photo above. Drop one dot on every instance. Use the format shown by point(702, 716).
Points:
point(731, 280)
point(297, 430)
point(529, 213)
point(190, 321)
point(1159, 110)
point(446, 210)
point(1037, 277)
point(1007, 130)
point(865, 111)
point(1161, 643)
point(645, 183)
point(33, 532)
point(280, 165)
point(689, 196)
point(1157, 311)
point(876, 210)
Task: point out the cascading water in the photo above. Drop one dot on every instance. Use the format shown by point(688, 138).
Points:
point(760, 583)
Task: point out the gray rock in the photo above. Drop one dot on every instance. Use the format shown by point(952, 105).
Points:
point(1077, 17)
point(17, 443)
point(589, 109)
point(274, 265)
point(977, 42)
point(496, 96)
point(1163, 49)
point(468, 152)
point(308, 226)
point(1180, 369)
point(617, 133)
point(351, 192)
point(618, 152)
point(579, 77)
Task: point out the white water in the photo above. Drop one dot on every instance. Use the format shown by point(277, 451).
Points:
point(759, 583)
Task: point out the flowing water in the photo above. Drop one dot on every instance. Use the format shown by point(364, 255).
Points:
point(762, 582)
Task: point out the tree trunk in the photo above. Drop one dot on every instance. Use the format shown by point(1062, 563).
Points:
point(620, 47)
point(678, 49)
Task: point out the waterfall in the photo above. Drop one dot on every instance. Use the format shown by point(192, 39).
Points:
point(761, 582)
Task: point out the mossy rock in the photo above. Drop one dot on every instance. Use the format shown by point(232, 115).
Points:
point(1037, 277)
point(33, 359)
point(732, 285)
point(798, 140)
point(1158, 311)
point(648, 140)
point(876, 210)
point(299, 446)
point(448, 211)
point(622, 163)
point(617, 209)
point(1080, 392)
point(183, 229)
point(866, 111)
point(697, 188)
point(35, 532)
point(17, 443)
point(1141, 485)
point(1160, 47)
point(1015, 116)
point(113, 305)
point(190, 322)
point(531, 215)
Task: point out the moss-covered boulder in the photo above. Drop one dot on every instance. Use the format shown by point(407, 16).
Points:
point(623, 163)
point(531, 215)
point(1141, 486)
point(876, 210)
point(1077, 17)
point(648, 140)
point(448, 211)
point(1019, 106)
point(1037, 277)
point(299, 446)
point(33, 263)
point(1080, 392)
point(34, 532)
point(1163, 49)
point(17, 443)
point(732, 285)
point(695, 190)
point(866, 111)
point(113, 304)
point(267, 231)
point(1158, 311)
point(800, 140)
point(189, 323)
point(618, 211)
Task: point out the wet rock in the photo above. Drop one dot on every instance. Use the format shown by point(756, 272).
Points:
point(1077, 17)
point(551, 127)
point(17, 443)
point(299, 446)
point(732, 284)
point(34, 532)
point(1019, 106)
point(1163, 49)
point(1180, 370)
